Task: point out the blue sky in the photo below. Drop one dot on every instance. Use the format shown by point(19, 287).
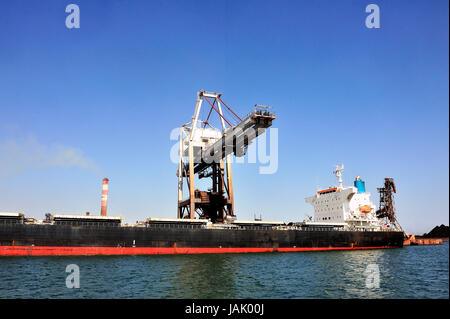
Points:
point(77, 105)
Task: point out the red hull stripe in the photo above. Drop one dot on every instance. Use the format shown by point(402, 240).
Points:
point(61, 251)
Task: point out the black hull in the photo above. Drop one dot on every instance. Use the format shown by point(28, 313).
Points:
point(72, 236)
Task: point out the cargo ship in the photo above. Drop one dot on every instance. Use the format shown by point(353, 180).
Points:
point(344, 217)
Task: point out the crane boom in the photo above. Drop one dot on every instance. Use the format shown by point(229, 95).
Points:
point(234, 141)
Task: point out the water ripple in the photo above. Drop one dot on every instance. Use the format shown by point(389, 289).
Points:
point(410, 272)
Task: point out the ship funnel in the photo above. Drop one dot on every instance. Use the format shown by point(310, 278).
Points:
point(104, 196)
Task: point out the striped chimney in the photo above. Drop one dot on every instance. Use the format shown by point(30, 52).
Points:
point(104, 196)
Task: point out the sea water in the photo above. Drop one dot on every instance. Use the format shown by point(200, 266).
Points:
point(408, 272)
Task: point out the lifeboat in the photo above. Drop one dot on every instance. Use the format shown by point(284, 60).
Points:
point(365, 209)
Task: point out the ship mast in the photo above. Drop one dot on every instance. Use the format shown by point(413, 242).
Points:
point(338, 172)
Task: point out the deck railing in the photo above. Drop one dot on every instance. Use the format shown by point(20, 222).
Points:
point(202, 226)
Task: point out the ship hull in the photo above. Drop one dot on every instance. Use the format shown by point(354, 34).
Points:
point(22, 239)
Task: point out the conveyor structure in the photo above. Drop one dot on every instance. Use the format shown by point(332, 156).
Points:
point(206, 152)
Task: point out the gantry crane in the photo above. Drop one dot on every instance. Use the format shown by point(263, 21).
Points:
point(205, 151)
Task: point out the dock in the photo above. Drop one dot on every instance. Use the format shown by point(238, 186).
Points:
point(412, 240)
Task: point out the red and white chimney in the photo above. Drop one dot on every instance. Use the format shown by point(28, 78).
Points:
point(104, 196)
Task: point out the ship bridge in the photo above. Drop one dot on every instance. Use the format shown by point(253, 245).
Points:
point(350, 205)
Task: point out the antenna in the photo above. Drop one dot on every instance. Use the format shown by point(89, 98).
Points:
point(338, 172)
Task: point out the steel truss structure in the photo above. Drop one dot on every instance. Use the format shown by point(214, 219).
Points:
point(205, 152)
point(387, 207)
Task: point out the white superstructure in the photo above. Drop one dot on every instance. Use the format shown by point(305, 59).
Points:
point(350, 205)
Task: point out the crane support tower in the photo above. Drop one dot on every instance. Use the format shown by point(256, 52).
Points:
point(386, 210)
point(205, 152)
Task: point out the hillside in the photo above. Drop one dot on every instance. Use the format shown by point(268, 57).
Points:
point(437, 232)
